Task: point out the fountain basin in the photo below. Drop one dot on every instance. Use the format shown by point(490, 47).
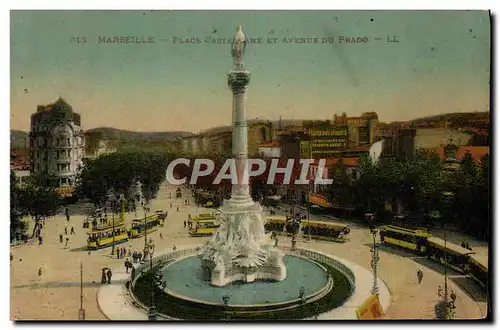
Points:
point(185, 281)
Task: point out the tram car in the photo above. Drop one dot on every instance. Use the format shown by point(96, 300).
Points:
point(436, 249)
point(413, 240)
point(102, 237)
point(148, 224)
point(204, 225)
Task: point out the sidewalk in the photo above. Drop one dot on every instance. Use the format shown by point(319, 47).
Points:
point(115, 302)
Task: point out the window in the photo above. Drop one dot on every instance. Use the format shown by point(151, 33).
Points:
point(263, 134)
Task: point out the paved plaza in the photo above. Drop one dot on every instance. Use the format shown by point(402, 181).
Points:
point(55, 295)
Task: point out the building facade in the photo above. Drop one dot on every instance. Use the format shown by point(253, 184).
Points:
point(57, 143)
point(326, 140)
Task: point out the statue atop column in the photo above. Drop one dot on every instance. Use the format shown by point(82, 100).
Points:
point(238, 48)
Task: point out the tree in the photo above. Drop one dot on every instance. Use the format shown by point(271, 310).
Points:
point(368, 188)
point(17, 211)
point(483, 199)
point(465, 186)
point(40, 201)
point(341, 191)
point(120, 171)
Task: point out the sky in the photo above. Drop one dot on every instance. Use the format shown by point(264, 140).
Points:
point(440, 64)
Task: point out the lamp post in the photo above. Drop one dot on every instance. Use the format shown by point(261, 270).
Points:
point(374, 262)
point(308, 224)
point(146, 249)
point(81, 311)
point(445, 271)
point(296, 219)
point(112, 199)
point(225, 300)
point(152, 309)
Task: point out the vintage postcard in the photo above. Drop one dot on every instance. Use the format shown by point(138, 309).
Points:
point(250, 165)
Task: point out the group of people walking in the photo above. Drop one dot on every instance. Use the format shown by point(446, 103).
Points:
point(466, 245)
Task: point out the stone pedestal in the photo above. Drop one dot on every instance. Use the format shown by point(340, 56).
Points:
point(240, 250)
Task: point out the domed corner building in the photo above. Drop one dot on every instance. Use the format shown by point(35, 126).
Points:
point(57, 143)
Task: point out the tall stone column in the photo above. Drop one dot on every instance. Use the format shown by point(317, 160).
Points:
point(238, 80)
point(240, 250)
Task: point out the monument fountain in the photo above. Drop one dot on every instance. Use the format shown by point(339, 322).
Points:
point(241, 250)
point(239, 272)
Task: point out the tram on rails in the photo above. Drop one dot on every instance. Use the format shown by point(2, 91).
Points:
point(454, 256)
point(149, 224)
point(205, 224)
point(414, 240)
point(321, 230)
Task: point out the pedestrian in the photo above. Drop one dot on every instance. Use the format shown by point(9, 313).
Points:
point(440, 291)
point(67, 240)
point(40, 240)
point(126, 265)
point(185, 202)
point(129, 252)
point(117, 253)
point(72, 230)
point(420, 276)
point(65, 230)
point(124, 252)
point(60, 238)
point(40, 271)
point(134, 257)
point(161, 236)
point(11, 256)
point(177, 208)
point(453, 297)
point(184, 223)
point(174, 248)
point(108, 275)
point(170, 205)
point(103, 275)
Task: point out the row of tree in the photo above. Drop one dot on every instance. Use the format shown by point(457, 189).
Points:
point(37, 198)
point(119, 172)
point(422, 186)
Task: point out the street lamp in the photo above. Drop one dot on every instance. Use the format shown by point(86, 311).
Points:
point(296, 219)
point(374, 262)
point(81, 311)
point(112, 200)
point(445, 271)
point(146, 249)
point(152, 309)
point(225, 300)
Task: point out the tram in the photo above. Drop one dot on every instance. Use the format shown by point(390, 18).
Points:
point(457, 257)
point(326, 230)
point(322, 230)
point(414, 240)
point(477, 268)
point(203, 228)
point(148, 224)
point(106, 232)
point(454, 256)
point(99, 238)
